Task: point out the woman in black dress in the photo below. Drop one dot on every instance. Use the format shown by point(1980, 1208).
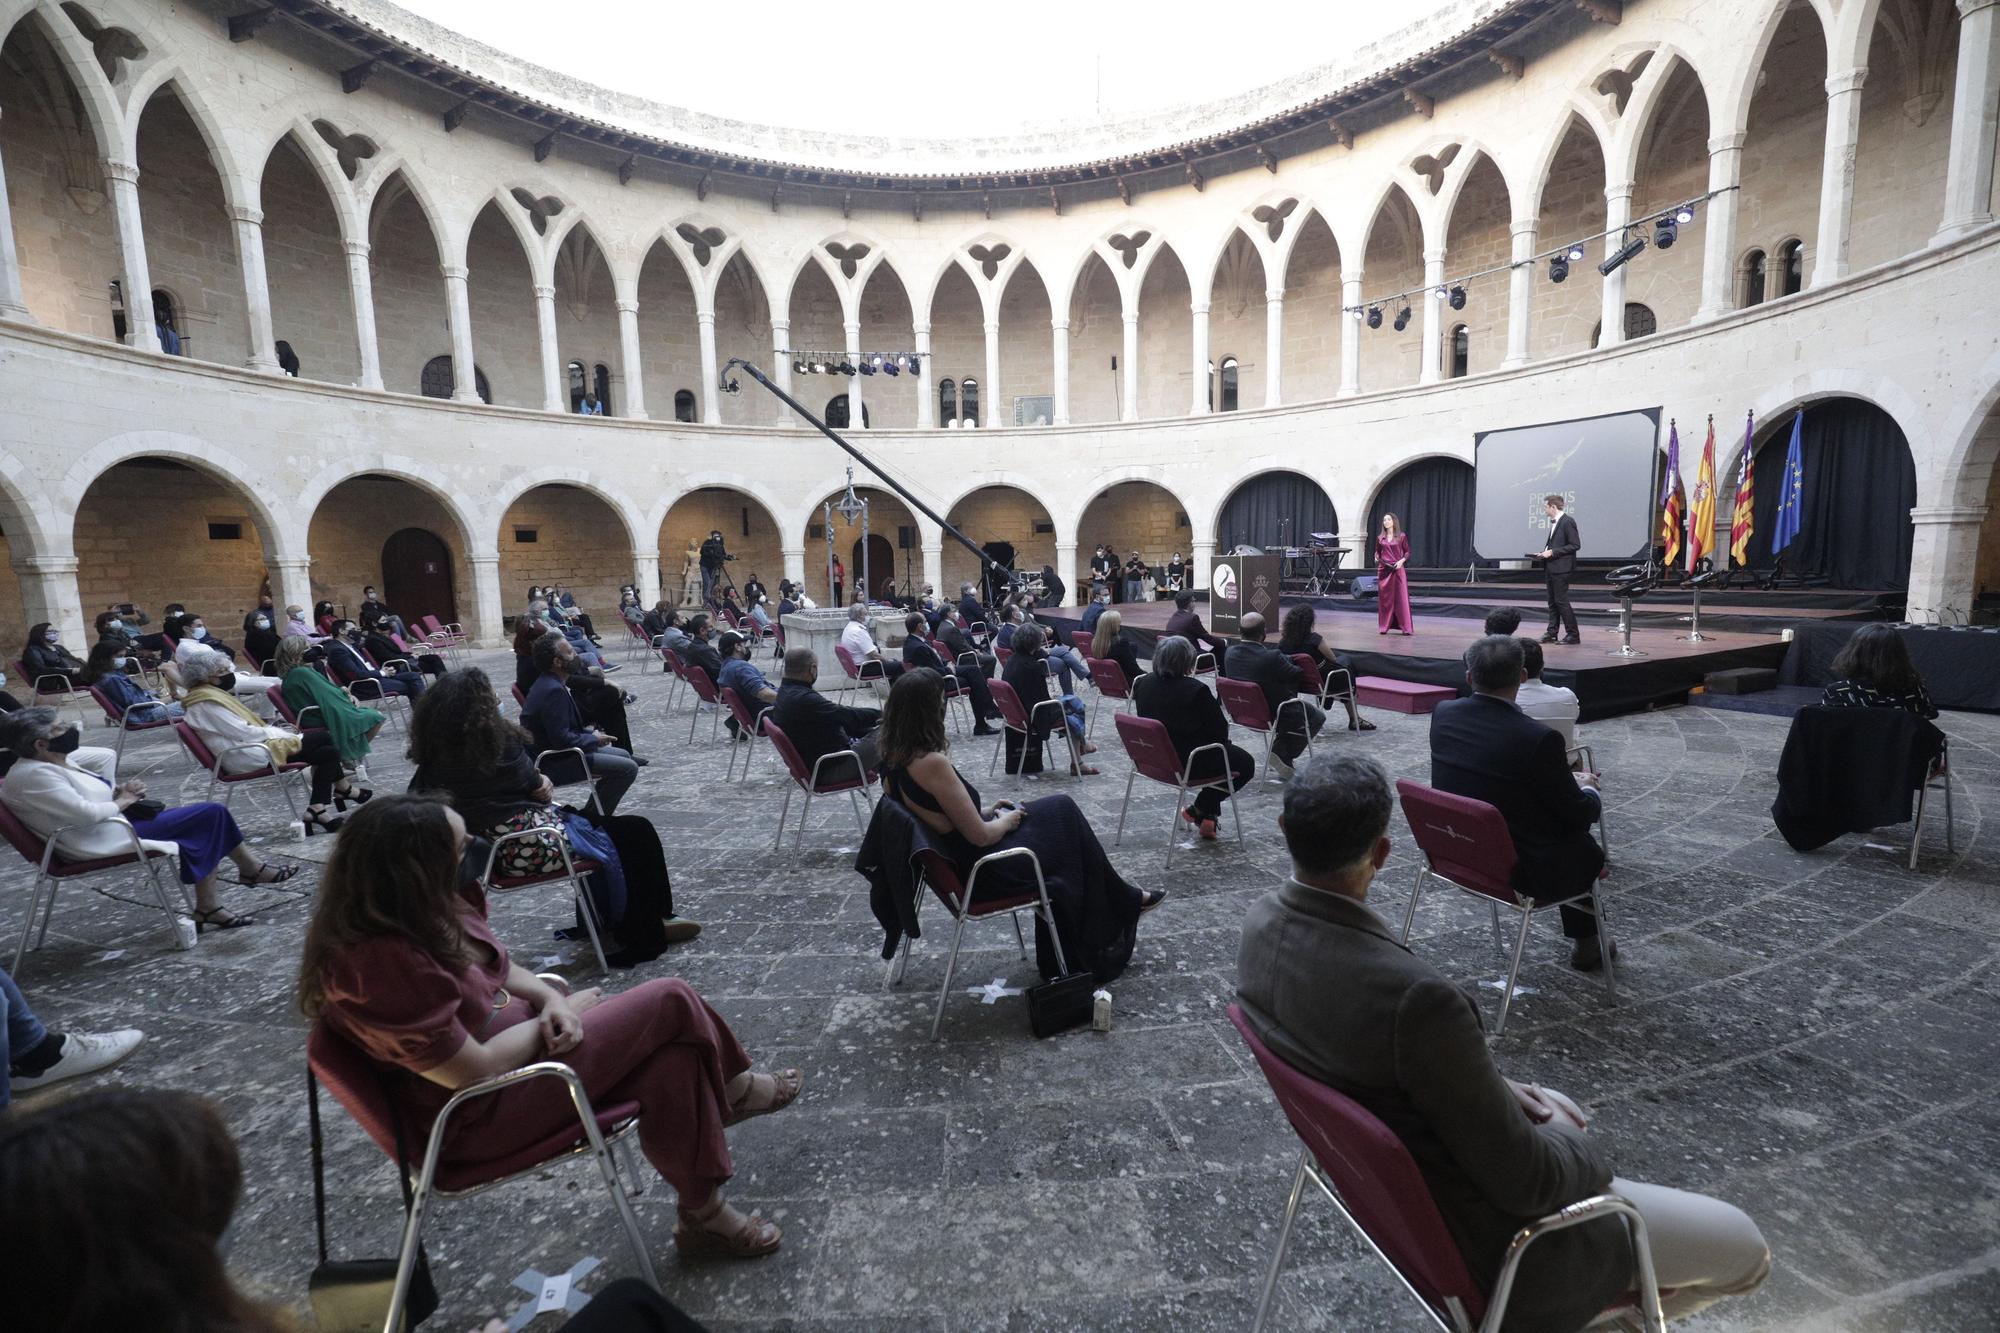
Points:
point(1108, 643)
point(1298, 636)
point(1096, 911)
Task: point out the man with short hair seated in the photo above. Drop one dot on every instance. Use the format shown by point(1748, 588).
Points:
point(1095, 611)
point(816, 725)
point(372, 608)
point(1279, 677)
point(1186, 622)
point(1503, 620)
point(968, 605)
point(1485, 748)
point(919, 651)
point(542, 609)
point(860, 643)
point(1551, 705)
point(343, 654)
point(740, 675)
point(953, 643)
point(551, 717)
point(1324, 983)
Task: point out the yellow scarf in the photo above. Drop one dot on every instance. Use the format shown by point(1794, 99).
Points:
point(282, 748)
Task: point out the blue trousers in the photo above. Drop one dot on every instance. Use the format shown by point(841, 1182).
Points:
point(20, 1030)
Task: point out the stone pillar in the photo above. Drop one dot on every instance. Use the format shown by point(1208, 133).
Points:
point(249, 225)
point(1066, 571)
point(291, 584)
point(1129, 409)
point(490, 628)
point(1059, 353)
point(646, 575)
point(1520, 293)
point(856, 419)
point(1943, 564)
point(361, 286)
point(992, 399)
point(711, 370)
point(1617, 212)
point(1201, 553)
point(1975, 119)
point(1430, 363)
point(926, 402)
point(632, 369)
point(12, 304)
point(1274, 346)
point(795, 564)
point(781, 367)
point(464, 371)
point(1718, 238)
point(1199, 374)
point(1836, 177)
point(555, 393)
point(933, 552)
point(121, 182)
point(49, 592)
point(1352, 330)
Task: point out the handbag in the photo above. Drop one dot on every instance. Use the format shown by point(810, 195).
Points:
point(145, 809)
point(1059, 1005)
point(352, 1295)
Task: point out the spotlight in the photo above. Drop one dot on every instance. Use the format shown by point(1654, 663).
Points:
point(1664, 234)
point(1574, 254)
point(845, 367)
point(1440, 293)
point(1402, 319)
point(1558, 267)
point(875, 362)
point(1374, 316)
point(890, 367)
point(1458, 298)
point(812, 367)
point(1623, 255)
point(903, 361)
point(799, 367)
point(1684, 214)
point(867, 366)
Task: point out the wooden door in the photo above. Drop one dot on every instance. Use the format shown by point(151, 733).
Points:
point(416, 577)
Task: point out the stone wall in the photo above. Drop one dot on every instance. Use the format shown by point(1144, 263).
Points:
point(998, 514)
point(759, 550)
point(1132, 516)
point(190, 240)
point(579, 542)
point(312, 307)
point(355, 521)
point(142, 537)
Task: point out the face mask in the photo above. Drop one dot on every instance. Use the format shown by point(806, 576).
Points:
point(263, 622)
point(119, 663)
point(201, 631)
point(65, 742)
point(114, 624)
point(50, 637)
point(226, 682)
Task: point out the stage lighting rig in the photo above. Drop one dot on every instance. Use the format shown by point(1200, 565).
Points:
point(1402, 319)
point(1374, 316)
point(1622, 256)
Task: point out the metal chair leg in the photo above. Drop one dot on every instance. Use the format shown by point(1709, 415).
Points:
point(1604, 940)
point(950, 966)
point(1284, 1243)
point(805, 810)
point(1409, 916)
point(783, 811)
point(1020, 940)
point(1507, 993)
point(1917, 825)
point(588, 910)
point(1129, 778)
point(633, 1235)
point(28, 926)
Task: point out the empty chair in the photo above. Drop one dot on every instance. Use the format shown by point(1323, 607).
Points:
point(750, 725)
point(839, 771)
point(1248, 708)
point(1153, 756)
point(1110, 680)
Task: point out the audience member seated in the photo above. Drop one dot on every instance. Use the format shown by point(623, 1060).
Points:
point(1028, 672)
point(466, 751)
point(113, 629)
point(1874, 670)
point(1193, 716)
point(738, 674)
point(263, 608)
point(700, 650)
point(44, 655)
point(673, 632)
point(375, 639)
point(48, 792)
point(753, 588)
point(352, 726)
point(860, 643)
point(157, 642)
point(541, 611)
point(968, 605)
point(399, 960)
point(956, 643)
point(261, 638)
point(192, 638)
point(372, 608)
point(564, 602)
point(1186, 622)
point(33, 1057)
point(602, 704)
point(554, 721)
point(657, 620)
point(106, 670)
point(242, 742)
point(919, 651)
point(1012, 617)
point(1484, 747)
point(630, 610)
point(1278, 676)
point(1100, 601)
point(1324, 983)
point(296, 622)
point(1108, 642)
point(1503, 621)
point(1299, 636)
point(816, 725)
point(343, 654)
point(1097, 912)
point(1551, 705)
point(324, 614)
point(1069, 662)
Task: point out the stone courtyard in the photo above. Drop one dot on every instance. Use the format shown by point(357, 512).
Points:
point(1815, 1038)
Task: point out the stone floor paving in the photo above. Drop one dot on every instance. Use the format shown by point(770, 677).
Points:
point(1814, 1037)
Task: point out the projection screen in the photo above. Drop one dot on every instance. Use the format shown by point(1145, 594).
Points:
point(1604, 467)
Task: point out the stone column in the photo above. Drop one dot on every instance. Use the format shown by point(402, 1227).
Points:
point(249, 224)
point(1199, 374)
point(1617, 212)
point(555, 393)
point(1274, 346)
point(1066, 571)
point(1430, 364)
point(1520, 293)
point(992, 399)
point(1836, 177)
point(361, 286)
point(12, 304)
point(933, 552)
point(1352, 331)
point(1129, 410)
point(490, 628)
point(646, 574)
point(781, 367)
point(1059, 353)
point(795, 564)
point(1975, 119)
point(464, 371)
point(856, 420)
point(291, 583)
point(49, 592)
point(121, 182)
point(1943, 564)
point(1201, 552)
point(711, 405)
point(1718, 238)
point(926, 403)
point(632, 369)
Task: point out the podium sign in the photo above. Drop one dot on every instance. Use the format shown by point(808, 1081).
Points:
point(1242, 583)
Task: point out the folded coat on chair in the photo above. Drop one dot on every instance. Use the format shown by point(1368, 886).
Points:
point(1848, 770)
point(888, 860)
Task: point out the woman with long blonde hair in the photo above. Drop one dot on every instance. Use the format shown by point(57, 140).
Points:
point(1109, 644)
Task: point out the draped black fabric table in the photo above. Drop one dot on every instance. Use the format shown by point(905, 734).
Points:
point(1960, 664)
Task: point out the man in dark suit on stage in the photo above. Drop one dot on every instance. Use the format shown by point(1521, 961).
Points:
point(1558, 563)
point(1485, 748)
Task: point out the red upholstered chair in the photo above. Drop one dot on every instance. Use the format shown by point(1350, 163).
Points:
point(1940, 774)
point(704, 693)
point(282, 774)
point(356, 1083)
point(870, 670)
point(276, 695)
point(151, 717)
point(574, 868)
point(1248, 708)
point(1467, 846)
point(1110, 680)
point(1365, 1171)
point(830, 773)
point(1001, 652)
point(1152, 753)
point(671, 663)
point(941, 877)
point(51, 869)
point(51, 690)
point(1015, 717)
point(1080, 639)
point(520, 695)
point(1330, 684)
point(752, 724)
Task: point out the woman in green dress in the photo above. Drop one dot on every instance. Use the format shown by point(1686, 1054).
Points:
point(351, 726)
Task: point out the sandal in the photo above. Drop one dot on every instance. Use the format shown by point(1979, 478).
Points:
point(1083, 771)
point(1151, 898)
point(221, 918)
point(276, 875)
point(753, 1238)
point(783, 1088)
point(360, 796)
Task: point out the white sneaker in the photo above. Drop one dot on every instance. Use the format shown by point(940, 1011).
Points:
point(1280, 767)
point(83, 1053)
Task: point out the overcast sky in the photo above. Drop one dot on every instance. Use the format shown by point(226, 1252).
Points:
point(926, 69)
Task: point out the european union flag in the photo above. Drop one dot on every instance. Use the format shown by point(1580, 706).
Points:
point(1791, 493)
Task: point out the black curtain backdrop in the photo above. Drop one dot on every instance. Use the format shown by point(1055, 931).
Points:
point(1276, 509)
point(1432, 498)
point(1860, 484)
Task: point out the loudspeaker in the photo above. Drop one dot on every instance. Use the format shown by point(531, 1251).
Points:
point(906, 537)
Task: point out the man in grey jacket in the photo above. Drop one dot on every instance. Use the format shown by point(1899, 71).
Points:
point(1325, 985)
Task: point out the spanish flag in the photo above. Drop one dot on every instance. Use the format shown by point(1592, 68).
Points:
point(1701, 512)
point(1742, 517)
point(1670, 498)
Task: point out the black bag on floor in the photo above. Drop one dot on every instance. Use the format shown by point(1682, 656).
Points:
point(1062, 1004)
point(352, 1295)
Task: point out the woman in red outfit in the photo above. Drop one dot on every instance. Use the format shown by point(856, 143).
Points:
point(1392, 596)
point(399, 961)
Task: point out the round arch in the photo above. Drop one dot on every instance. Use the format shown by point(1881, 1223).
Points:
point(396, 467)
point(1431, 494)
point(732, 506)
point(279, 529)
point(1269, 506)
point(1000, 514)
point(550, 528)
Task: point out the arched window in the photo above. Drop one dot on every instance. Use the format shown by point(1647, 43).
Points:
point(947, 402)
point(1791, 267)
point(1753, 278)
point(684, 405)
point(968, 400)
point(600, 378)
point(437, 380)
point(578, 387)
point(1229, 377)
point(1461, 351)
point(1640, 322)
point(166, 322)
point(836, 412)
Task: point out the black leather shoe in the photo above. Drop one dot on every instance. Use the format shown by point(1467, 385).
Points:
point(1572, 642)
point(1588, 956)
point(1548, 638)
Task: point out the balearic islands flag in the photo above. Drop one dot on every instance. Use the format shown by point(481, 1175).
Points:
point(1742, 518)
